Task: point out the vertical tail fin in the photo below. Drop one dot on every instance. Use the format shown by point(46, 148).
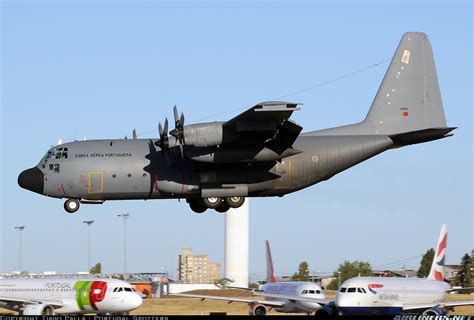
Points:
point(408, 98)
point(437, 268)
point(270, 271)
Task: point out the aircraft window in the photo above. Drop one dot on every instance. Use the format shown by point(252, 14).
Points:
point(304, 292)
point(363, 290)
point(120, 290)
point(57, 153)
point(56, 167)
point(359, 290)
point(127, 289)
point(342, 290)
point(51, 167)
point(318, 292)
point(351, 290)
point(311, 291)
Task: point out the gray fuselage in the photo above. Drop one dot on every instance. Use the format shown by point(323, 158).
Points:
point(137, 169)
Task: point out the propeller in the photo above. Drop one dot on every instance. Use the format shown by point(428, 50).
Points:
point(163, 143)
point(178, 131)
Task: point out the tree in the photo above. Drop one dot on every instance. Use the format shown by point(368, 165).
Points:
point(223, 282)
point(349, 269)
point(303, 272)
point(425, 264)
point(464, 276)
point(96, 269)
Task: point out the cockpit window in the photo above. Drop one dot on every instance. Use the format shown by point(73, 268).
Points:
point(57, 153)
point(342, 289)
point(127, 289)
point(351, 290)
point(361, 290)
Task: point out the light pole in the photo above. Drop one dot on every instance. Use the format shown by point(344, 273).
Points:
point(20, 229)
point(339, 276)
point(88, 222)
point(124, 216)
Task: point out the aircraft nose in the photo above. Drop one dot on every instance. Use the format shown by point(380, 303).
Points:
point(32, 179)
point(136, 301)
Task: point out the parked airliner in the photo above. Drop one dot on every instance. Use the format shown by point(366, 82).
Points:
point(392, 296)
point(68, 296)
point(285, 297)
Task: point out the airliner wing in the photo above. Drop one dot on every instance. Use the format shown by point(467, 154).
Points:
point(460, 289)
point(294, 298)
point(232, 299)
point(415, 306)
point(53, 303)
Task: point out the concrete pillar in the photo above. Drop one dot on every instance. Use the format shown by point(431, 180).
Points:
point(237, 245)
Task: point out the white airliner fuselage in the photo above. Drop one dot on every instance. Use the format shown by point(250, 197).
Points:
point(389, 296)
point(66, 296)
point(295, 289)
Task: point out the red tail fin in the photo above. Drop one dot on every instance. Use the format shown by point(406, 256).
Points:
point(270, 271)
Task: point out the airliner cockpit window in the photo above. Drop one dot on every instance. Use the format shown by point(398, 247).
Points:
point(342, 290)
point(351, 290)
point(127, 289)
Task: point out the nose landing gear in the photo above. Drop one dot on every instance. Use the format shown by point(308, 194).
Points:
point(71, 205)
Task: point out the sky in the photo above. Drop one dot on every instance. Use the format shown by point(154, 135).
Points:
point(86, 69)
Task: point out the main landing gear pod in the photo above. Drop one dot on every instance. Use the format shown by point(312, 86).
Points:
point(217, 203)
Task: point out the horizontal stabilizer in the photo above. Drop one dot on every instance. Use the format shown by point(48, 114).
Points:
point(420, 136)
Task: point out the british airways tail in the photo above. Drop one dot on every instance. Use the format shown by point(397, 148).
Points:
point(270, 271)
point(437, 268)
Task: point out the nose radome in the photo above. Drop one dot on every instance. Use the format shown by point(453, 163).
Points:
point(136, 301)
point(32, 179)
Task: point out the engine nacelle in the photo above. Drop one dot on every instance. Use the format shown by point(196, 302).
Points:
point(205, 134)
point(326, 312)
point(38, 310)
point(256, 309)
point(434, 312)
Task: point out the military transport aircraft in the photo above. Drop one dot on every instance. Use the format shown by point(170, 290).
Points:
point(259, 153)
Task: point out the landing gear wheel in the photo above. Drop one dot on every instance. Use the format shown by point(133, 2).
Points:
point(197, 206)
point(222, 208)
point(71, 205)
point(212, 202)
point(235, 202)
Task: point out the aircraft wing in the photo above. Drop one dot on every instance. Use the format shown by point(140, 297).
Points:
point(232, 299)
point(266, 122)
point(294, 298)
point(415, 306)
point(53, 303)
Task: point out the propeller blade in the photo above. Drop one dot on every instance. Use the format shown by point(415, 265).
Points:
point(160, 130)
point(166, 127)
point(175, 112)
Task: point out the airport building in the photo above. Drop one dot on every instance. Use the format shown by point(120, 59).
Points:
point(197, 268)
